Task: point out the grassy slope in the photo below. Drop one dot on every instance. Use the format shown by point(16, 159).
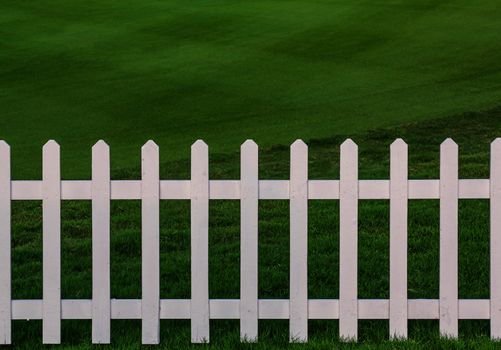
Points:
point(175, 71)
point(423, 139)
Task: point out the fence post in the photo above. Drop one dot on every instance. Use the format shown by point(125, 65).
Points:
point(150, 243)
point(249, 193)
point(348, 232)
point(101, 305)
point(298, 242)
point(449, 239)
point(398, 239)
point(495, 240)
point(199, 242)
point(51, 188)
point(5, 245)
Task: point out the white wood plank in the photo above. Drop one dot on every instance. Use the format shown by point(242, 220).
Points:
point(323, 189)
point(76, 190)
point(5, 245)
point(495, 239)
point(374, 189)
point(150, 243)
point(175, 189)
point(224, 189)
point(51, 188)
point(199, 242)
point(449, 239)
point(398, 239)
point(125, 189)
point(273, 189)
point(348, 235)
point(174, 309)
point(249, 189)
point(323, 309)
point(424, 189)
point(270, 309)
point(101, 304)
point(298, 328)
point(269, 189)
point(424, 309)
point(474, 188)
point(471, 309)
point(373, 309)
point(274, 309)
point(224, 309)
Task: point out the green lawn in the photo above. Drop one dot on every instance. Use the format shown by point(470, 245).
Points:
point(424, 139)
point(174, 71)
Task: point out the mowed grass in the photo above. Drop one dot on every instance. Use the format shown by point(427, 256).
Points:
point(424, 140)
point(174, 71)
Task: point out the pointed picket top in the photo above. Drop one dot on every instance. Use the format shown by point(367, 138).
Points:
point(4, 149)
point(50, 145)
point(449, 144)
point(249, 145)
point(4, 145)
point(398, 143)
point(299, 149)
point(349, 144)
point(199, 144)
point(496, 148)
point(100, 145)
point(496, 144)
point(298, 144)
point(150, 145)
point(299, 155)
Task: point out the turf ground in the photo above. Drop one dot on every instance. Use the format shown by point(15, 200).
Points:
point(174, 71)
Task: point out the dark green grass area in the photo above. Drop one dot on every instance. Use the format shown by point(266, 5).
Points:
point(274, 70)
point(424, 139)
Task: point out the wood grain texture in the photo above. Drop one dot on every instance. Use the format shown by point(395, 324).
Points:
point(51, 189)
point(150, 243)
point(495, 239)
point(101, 304)
point(249, 190)
point(5, 245)
point(348, 244)
point(449, 239)
point(398, 239)
point(298, 329)
point(199, 242)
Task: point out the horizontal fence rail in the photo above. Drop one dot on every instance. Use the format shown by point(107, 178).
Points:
point(200, 309)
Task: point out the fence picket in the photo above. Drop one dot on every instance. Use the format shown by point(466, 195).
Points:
point(5, 245)
point(398, 239)
point(348, 232)
point(150, 243)
point(101, 304)
point(299, 242)
point(199, 242)
point(495, 239)
point(449, 239)
point(51, 188)
point(249, 191)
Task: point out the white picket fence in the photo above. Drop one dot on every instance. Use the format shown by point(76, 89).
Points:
point(448, 309)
